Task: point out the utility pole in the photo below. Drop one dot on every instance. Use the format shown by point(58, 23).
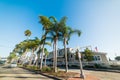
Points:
point(80, 62)
point(81, 68)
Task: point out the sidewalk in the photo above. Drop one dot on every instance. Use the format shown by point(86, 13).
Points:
point(87, 77)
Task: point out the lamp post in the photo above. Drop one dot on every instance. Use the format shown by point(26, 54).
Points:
point(81, 68)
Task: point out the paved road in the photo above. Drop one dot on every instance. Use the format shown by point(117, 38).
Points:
point(102, 75)
point(20, 74)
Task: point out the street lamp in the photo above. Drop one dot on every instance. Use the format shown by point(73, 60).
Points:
point(81, 68)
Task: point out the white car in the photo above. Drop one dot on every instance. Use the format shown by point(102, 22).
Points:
point(13, 64)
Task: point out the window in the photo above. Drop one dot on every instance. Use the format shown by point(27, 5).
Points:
point(97, 58)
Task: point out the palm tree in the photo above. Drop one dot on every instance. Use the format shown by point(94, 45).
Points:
point(22, 48)
point(52, 28)
point(57, 30)
point(38, 56)
point(46, 28)
point(33, 45)
point(66, 33)
point(27, 33)
point(43, 43)
point(12, 57)
point(56, 35)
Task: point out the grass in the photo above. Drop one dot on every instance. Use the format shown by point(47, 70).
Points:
point(49, 71)
point(63, 74)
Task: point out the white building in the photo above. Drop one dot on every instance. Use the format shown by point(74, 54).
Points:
point(99, 57)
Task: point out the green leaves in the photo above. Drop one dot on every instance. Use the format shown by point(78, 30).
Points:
point(45, 21)
point(27, 33)
point(88, 55)
point(117, 58)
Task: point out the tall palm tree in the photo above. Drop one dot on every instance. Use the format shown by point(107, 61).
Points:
point(52, 28)
point(43, 43)
point(56, 35)
point(57, 30)
point(66, 33)
point(46, 28)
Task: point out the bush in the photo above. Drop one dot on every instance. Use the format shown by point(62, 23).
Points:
point(97, 66)
point(89, 66)
point(46, 69)
point(32, 67)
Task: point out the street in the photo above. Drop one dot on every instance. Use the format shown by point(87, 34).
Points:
point(102, 75)
point(7, 73)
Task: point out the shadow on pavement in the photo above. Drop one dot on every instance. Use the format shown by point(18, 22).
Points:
point(42, 78)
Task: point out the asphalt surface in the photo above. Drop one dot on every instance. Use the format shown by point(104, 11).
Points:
point(7, 73)
point(102, 75)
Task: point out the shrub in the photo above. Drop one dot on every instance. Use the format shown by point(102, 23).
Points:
point(97, 65)
point(46, 69)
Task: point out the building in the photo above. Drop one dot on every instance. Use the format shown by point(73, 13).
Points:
point(3, 60)
point(99, 58)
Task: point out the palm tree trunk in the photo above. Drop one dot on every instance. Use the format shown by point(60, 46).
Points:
point(45, 61)
point(23, 56)
point(53, 55)
point(38, 60)
point(42, 57)
point(65, 51)
point(56, 55)
point(31, 57)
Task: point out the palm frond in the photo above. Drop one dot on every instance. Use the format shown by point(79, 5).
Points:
point(53, 19)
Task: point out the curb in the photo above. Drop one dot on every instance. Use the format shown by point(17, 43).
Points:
point(107, 70)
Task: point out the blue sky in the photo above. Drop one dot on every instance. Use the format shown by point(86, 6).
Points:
point(97, 19)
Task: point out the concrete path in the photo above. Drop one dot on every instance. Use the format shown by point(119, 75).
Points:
point(20, 74)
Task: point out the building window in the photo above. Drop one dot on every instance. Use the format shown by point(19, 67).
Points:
point(60, 53)
point(97, 58)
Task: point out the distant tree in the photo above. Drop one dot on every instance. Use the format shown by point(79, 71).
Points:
point(88, 54)
point(27, 33)
point(11, 57)
point(117, 58)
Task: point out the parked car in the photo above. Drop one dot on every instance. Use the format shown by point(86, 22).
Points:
point(13, 64)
